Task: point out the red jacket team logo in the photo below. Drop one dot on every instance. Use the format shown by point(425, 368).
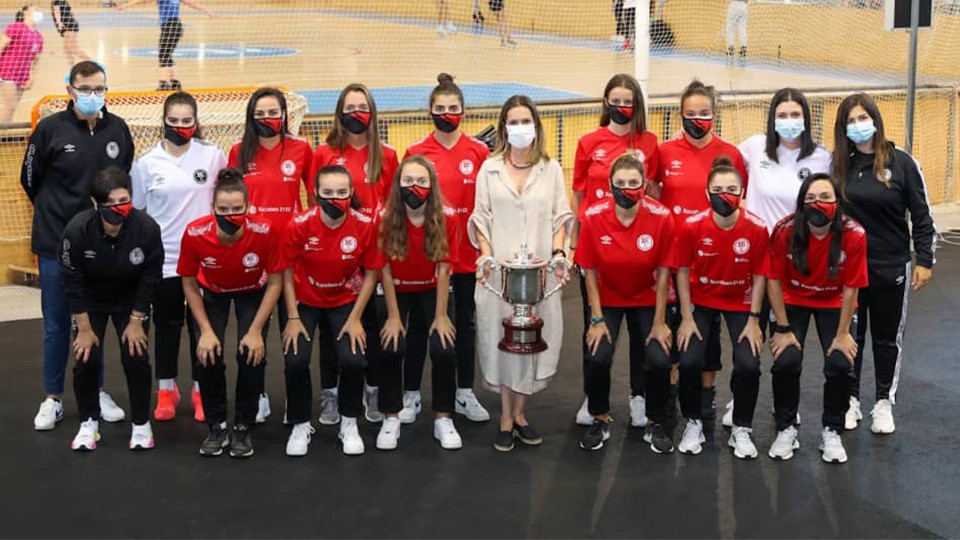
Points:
point(645, 242)
point(741, 246)
point(348, 244)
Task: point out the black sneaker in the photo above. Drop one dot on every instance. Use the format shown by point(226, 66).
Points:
point(163, 86)
point(595, 435)
point(504, 441)
point(708, 403)
point(175, 85)
point(660, 442)
point(216, 441)
point(240, 445)
point(527, 435)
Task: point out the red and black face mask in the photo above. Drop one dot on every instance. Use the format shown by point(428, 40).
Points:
point(356, 122)
point(626, 197)
point(230, 223)
point(697, 128)
point(820, 213)
point(724, 204)
point(447, 122)
point(177, 135)
point(620, 114)
point(268, 127)
point(414, 196)
point(335, 208)
point(115, 214)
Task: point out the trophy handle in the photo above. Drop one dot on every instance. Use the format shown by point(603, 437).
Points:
point(494, 267)
point(563, 263)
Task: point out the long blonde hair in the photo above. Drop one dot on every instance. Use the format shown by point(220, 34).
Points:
point(539, 151)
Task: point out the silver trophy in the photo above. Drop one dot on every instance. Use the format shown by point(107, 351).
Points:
point(523, 284)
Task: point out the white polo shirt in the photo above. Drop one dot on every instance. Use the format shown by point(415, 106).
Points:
point(773, 188)
point(176, 190)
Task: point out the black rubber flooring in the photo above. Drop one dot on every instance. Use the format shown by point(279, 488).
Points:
point(899, 486)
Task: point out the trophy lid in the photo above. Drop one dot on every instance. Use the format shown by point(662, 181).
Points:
point(523, 259)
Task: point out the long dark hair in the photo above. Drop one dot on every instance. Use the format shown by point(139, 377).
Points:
point(183, 98)
point(394, 235)
point(629, 82)
point(337, 138)
point(842, 147)
point(800, 244)
point(251, 141)
point(807, 146)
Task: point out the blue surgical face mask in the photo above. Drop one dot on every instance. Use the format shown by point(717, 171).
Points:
point(89, 104)
point(789, 129)
point(861, 132)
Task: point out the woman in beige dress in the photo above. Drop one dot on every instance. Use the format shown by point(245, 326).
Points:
point(521, 197)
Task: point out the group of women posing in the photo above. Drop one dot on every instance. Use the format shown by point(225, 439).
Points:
point(383, 265)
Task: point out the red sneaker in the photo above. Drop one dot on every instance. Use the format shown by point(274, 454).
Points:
point(197, 406)
point(167, 404)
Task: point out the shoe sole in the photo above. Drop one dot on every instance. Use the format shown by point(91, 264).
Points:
point(796, 446)
point(738, 455)
point(296, 455)
point(658, 451)
point(50, 427)
point(387, 448)
point(832, 461)
point(477, 419)
point(881, 432)
point(529, 442)
point(241, 456)
point(211, 454)
point(83, 449)
point(503, 448)
point(141, 448)
point(691, 451)
point(447, 447)
point(360, 453)
point(329, 422)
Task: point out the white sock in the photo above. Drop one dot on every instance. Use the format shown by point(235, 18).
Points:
point(196, 386)
point(166, 384)
point(346, 421)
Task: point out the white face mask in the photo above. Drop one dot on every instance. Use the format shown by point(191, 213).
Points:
point(37, 18)
point(521, 135)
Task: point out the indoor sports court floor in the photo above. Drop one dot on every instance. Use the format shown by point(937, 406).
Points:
point(398, 57)
point(898, 486)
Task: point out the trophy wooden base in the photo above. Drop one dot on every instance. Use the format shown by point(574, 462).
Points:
point(522, 338)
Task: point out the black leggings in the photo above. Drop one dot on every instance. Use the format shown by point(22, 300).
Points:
point(745, 380)
point(169, 314)
point(213, 377)
point(330, 368)
point(836, 370)
point(596, 368)
point(86, 375)
point(637, 375)
point(464, 319)
point(882, 305)
point(170, 33)
point(350, 365)
point(444, 360)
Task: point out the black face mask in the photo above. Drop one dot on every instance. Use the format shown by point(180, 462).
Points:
point(443, 122)
point(228, 225)
point(617, 115)
point(697, 127)
point(626, 198)
point(815, 216)
point(722, 205)
point(352, 123)
point(335, 208)
point(414, 196)
point(267, 127)
point(110, 216)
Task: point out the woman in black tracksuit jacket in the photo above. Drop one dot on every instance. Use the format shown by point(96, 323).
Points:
point(881, 185)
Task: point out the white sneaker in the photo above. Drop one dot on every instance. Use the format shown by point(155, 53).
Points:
point(741, 443)
point(882, 418)
point(329, 411)
point(638, 411)
point(411, 407)
point(87, 437)
point(786, 442)
point(445, 432)
point(109, 410)
point(141, 437)
point(693, 439)
point(350, 436)
point(727, 420)
point(853, 416)
point(263, 409)
point(467, 405)
point(441, 30)
point(389, 434)
point(584, 418)
point(51, 412)
point(831, 447)
point(371, 404)
point(299, 440)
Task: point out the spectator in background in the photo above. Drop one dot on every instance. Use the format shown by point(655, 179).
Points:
point(20, 48)
point(68, 27)
point(444, 22)
point(65, 151)
point(737, 22)
point(503, 28)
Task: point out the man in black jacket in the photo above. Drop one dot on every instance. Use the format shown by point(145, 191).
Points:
point(65, 151)
point(111, 260)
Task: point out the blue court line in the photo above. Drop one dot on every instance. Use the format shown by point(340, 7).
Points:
point(415, 97)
